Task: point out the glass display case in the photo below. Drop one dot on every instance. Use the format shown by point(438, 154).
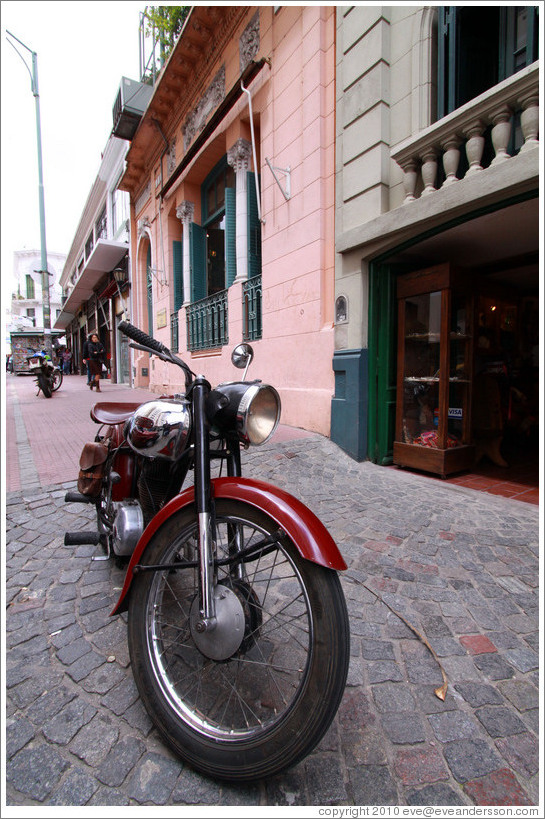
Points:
point(435, 361)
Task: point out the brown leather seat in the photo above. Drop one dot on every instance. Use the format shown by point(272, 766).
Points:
point(112, 412)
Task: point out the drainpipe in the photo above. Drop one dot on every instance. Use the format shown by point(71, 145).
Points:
point(257, 192)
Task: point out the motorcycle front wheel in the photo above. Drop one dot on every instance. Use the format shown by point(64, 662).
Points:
point(45, 385)
point(57, 380)
point(256, 695)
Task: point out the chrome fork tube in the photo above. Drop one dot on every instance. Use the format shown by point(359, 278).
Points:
point(207, 605)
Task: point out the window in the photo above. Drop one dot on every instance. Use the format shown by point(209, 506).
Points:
point(29, 286)
point(120, 211)
point(101, 226)
point(31, 314)
point(89, 244)
point(478, 47)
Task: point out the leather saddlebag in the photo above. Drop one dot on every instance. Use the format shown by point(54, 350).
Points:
point(92, 468)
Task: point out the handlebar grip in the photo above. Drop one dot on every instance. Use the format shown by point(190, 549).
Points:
point(140, 337)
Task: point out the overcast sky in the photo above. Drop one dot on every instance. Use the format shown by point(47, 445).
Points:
point(83, 48)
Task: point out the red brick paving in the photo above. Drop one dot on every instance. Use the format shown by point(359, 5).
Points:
point(416, 766)
point(498, 788)
point(478, 644)
point(57, 427)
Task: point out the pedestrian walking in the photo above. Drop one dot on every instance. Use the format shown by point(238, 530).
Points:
point(85, 358)
point(66, 361)
point(96, 352)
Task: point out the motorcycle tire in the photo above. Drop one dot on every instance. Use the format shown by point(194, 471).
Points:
point(45, 385)
point(57, 380)
point(258, 709)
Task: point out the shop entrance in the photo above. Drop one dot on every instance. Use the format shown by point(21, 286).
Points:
point(498, 255)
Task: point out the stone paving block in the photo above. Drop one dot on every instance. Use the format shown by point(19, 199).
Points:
point(470, 758)
point(494, 667)
point(36, 771)
point(153, 779)
point(64, 725)
point(403, 728)
point(499, 721)
point(77, 788)
point(94, 740)
point(477, 644)
point(524, 659)
point(521, 752)
point(416, 766)
point(453, 725)
point(497, 788)
point(379, 672)
point(373, 785)
point(19, 732)
point(396, 697)
point(521, 693)
point(82, 667)
point(120, 761)
point(325, 779)
point(50, 703)
point(440, 794)
point(477, 694)
point(193, 788)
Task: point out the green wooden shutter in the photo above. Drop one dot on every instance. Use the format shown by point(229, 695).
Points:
point(446, 60)
point(178, 275)
point(230, 236)
point(382, 362)
point(254, 230)
point(197, 261)
point(149, 283)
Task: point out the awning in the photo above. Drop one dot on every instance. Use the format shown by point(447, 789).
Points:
point(106, 255)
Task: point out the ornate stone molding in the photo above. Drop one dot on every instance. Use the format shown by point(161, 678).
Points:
point(249, 42)
point(171, 157)
point(185, 212)
point(196, 119)
point(143, 226)
point(239, 155)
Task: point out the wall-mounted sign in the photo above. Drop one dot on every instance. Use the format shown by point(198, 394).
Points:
point(161, 318)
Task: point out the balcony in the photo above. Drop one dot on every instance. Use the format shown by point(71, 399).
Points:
point(479, 134)
point(207, 323)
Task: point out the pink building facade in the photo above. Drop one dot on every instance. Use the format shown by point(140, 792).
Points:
point(231, 180)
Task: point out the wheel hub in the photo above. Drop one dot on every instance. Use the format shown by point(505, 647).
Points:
point(225, 638)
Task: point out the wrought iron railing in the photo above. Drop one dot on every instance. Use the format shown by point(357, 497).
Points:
point(251, 309)
point(207, 322)
point(174, 333)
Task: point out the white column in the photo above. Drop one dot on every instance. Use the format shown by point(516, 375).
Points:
point(185, 212)
point(239, 158)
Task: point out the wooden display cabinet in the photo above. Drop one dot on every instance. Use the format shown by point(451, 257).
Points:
point(435, 370)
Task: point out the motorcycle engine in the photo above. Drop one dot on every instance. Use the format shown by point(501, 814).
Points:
point(128, 527)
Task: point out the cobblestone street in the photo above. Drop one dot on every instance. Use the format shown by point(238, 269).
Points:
point(458, 565)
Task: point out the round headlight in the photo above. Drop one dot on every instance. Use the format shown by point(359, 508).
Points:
point(160, 429)
point(258, 414)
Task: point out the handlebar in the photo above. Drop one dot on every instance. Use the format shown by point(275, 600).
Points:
point(151, 345)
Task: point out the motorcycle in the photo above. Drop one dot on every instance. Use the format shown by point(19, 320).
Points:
point(237, 624)
point(48, 375)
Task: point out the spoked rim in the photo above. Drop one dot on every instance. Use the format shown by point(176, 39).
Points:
point(253, 690)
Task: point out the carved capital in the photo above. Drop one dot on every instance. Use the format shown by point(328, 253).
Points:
point(239, 155)
point(171, 157)
point(185, 212)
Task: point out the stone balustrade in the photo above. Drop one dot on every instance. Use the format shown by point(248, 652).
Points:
point(464, 129)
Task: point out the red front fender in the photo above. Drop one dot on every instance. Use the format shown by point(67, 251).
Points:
point(309, 535)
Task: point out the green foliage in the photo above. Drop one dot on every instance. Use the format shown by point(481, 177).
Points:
point(164, 24)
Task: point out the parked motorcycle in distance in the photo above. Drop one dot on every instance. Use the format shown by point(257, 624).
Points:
point(48, 375)
point(237, 624)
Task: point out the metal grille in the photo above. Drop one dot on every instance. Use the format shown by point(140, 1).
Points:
point(251, 309)
point(207, 322)
point(174, 334)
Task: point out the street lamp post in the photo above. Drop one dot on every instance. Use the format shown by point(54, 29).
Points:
point(43, 261)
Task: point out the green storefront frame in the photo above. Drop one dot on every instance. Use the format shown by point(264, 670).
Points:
point(370, 415)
